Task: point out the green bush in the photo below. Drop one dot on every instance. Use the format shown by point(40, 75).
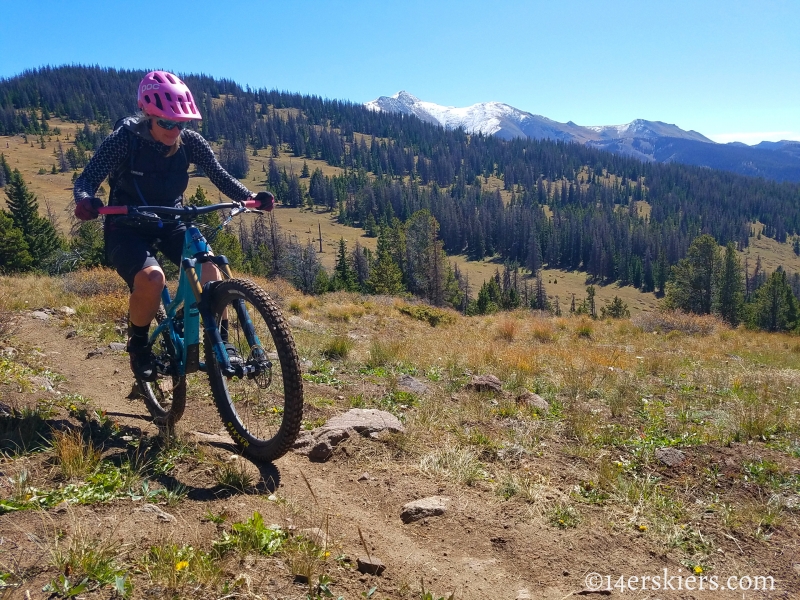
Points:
point(423, 312)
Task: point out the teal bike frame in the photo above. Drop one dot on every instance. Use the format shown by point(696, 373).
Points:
point(195, 299)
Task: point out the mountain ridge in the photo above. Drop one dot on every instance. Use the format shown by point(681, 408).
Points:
point(650, 141)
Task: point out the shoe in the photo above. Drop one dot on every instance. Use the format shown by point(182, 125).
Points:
point(233, 354)
point(143, 362)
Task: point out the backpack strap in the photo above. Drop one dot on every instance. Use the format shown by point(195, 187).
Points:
point(133, 146)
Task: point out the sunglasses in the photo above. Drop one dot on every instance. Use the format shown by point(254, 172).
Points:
point(170, 125)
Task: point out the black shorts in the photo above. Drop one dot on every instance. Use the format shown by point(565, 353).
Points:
point(129, 250)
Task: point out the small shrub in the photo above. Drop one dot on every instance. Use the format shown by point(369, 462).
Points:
point(87, 560)
point(76, 457)
point(383, 353)
point(542, 332)
point(252, 536)
point(94, 282)
point(104, 307)
point(507, 330)
point(564, 516)
point(338, 348)
point(584, 330)
point(345, 312)
point(455, 464)
point(232, 475)
point(432, 315)
point(175, 566)
point(755, 418)
point(305, 554)
point(295, 306)
point(580, 424)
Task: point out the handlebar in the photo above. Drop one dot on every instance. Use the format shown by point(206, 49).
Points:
point(184, 211)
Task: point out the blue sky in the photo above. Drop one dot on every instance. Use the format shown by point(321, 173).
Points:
point(729, 69)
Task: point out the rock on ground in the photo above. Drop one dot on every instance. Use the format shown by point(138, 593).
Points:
point(326, 442)
point(365, 421)
point(527, 398)
point(485, 383)
point(424, 507)
point(671, 457)
point(160, 514)
point(407, 383)
point(370, 565)
point(319, 444)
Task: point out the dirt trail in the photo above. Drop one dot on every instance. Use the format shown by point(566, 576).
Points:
point(483, 548)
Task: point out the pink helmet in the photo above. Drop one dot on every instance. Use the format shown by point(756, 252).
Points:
point(162, 94)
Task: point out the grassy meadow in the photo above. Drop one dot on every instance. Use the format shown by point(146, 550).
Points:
point(585, 454)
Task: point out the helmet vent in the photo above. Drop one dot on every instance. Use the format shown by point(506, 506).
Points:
point(158, 78)
point(188, 96)
point(169, 96)
point(158, 101)
point(170, 77)
point(147, 99)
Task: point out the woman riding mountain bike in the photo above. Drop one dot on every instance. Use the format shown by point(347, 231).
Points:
point(147, 159)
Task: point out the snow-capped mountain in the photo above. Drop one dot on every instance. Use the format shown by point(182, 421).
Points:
point(646, 140)
point(505, 121)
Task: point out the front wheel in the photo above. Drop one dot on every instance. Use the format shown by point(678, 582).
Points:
point(262, 412)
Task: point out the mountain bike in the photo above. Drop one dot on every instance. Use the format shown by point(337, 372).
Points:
point(260, 402)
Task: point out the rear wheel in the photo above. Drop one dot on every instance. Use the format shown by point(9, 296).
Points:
point(164, 398)
point(261, 412)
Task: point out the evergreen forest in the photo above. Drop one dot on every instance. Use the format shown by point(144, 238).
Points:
point(403, 180)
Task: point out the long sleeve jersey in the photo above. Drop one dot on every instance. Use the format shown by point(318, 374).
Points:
point(114, 150)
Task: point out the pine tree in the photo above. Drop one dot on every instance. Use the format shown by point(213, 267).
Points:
point(40, 236)
point(88, 244)
point(361, 259)
point(488, 300)
point(730, 290)
point(5, 171)
point(370, 227)
point(385, 276)
point(590, 295)
point(774, 308)
point(615, 309)
point(691, 287)
point(343, 276)
point(538, 299)
point(14, 255)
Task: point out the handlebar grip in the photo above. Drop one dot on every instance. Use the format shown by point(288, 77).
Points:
point(251, 203)
point(113, 210)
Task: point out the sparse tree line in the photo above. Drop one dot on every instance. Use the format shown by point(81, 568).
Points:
point(410, 259)
point(710, 280)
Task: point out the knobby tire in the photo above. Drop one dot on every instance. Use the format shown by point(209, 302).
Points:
point(263, 422)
